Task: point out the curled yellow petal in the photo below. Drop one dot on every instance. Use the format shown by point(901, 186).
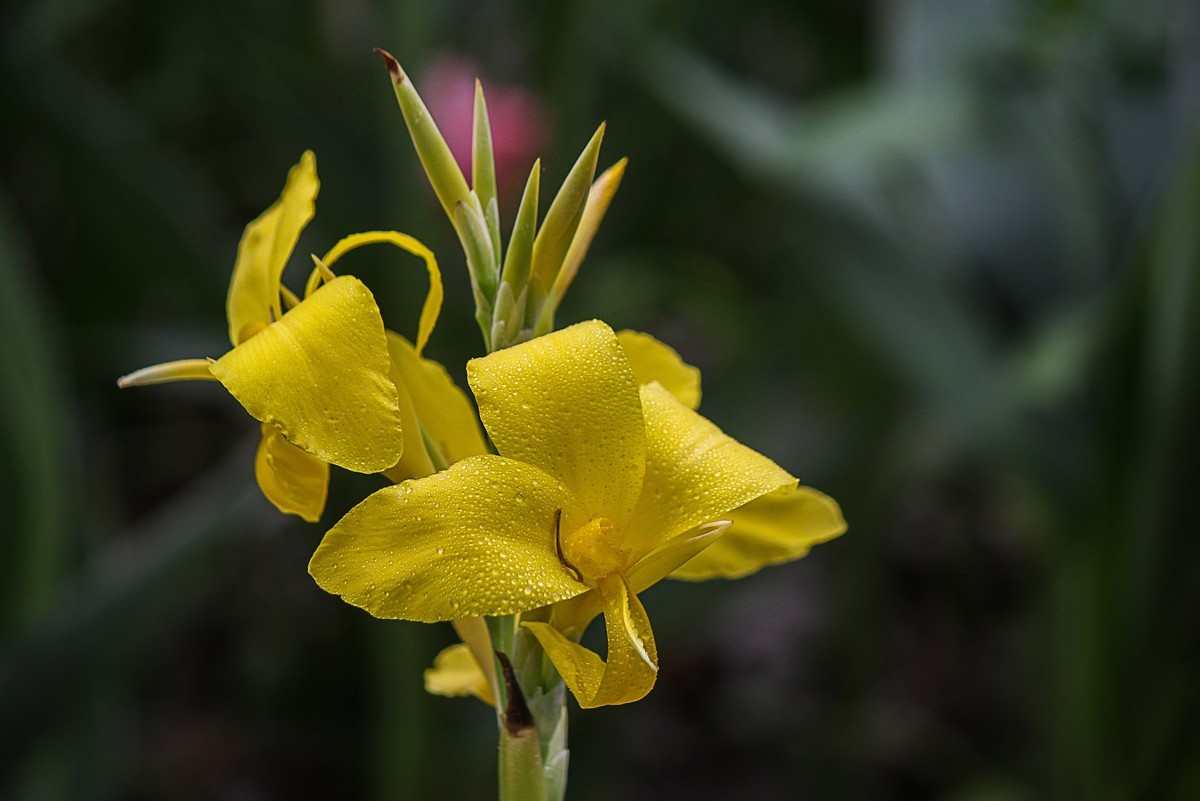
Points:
point(294, 481)
point(695, 473)
point(455, 673)
point(567, 403)
point(653, 360)
point(443, 410)
point(320, 375)
point(777, 527)
point(266, 246)
point(475, 539)
point(632, 664)
point(433, 299)
point(182, 370)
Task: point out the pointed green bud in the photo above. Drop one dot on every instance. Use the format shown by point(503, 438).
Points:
point(483, 166)
point(444, 174)
point(599, 198)
point(562, 218)
point(520, 242)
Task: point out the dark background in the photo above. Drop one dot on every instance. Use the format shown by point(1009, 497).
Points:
point(937, 257)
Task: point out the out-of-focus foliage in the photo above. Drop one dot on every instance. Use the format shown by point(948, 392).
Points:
point(952, 247)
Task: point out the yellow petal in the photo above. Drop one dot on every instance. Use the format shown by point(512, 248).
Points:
point(476, 539)
point(567, 402)
point(433, 299)
point(455, 673)
point(320, 375)
point(694, 473)
point(182, 370)
point(777, 527)
point(473, 631)
point(632, 664)
point(444, 410)
point(415, 461)
point(665, 559)
point(653, 360)
point(295, 481)
point(266, 246)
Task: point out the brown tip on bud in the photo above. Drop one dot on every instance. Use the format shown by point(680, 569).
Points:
point(517, 717)
point(392, 64)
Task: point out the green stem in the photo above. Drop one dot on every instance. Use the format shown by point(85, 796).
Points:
point(521, 777)
point(531, 713)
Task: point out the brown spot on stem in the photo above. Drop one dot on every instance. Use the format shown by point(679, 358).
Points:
point(392, 64)
point(518, 719)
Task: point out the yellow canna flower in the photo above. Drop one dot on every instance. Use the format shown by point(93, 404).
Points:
point(316, 372)
point(601, 488)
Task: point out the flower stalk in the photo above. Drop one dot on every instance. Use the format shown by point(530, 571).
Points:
point(597, 476)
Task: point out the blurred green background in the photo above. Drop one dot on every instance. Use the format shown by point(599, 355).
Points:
point(940, 258)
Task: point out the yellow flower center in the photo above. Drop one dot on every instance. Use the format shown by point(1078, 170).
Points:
point(593, 551)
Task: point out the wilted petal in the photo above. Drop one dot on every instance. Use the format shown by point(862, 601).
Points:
point(320, 375)
point(632, 665)
point(567, 403)
point(653, 360)
point(295, 481)
point(777, 527)
point(266, 246)
point(694, 472)
point(476, 539)
point(455, 673)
